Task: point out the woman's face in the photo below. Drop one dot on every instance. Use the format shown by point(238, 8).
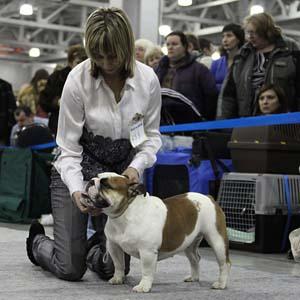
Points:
point(229, 40)
point(175, 48)
point(108, 64)
point(139, 53)
point(257, 41)
point(268, 102)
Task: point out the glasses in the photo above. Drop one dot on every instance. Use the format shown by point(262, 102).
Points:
point(251, 33)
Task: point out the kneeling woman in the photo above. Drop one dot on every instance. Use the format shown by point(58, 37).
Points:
point(105, 98)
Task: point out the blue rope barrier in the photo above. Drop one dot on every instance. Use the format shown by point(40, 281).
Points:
point(289, 209)
point(275, 119)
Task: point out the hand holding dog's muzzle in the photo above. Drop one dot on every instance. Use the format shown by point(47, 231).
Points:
point(85, 205)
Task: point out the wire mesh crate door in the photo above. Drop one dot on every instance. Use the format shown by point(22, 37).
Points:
point(237, 199)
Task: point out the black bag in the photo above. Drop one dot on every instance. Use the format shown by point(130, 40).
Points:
point(211, 146)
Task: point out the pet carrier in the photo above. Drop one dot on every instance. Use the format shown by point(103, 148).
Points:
point(266, 149)
point(260, 210)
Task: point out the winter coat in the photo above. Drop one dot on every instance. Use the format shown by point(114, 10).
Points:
point(219, 70)
point(194, 81)
point(282, 69)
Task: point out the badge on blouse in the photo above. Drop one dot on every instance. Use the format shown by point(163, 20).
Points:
point(137, 131)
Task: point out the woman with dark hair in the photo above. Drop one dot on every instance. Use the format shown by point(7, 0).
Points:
point(271, 100)
point(179, 71)
point(105, 100)
point(233, 39)
point(266, 58)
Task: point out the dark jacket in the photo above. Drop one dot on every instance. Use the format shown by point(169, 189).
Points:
point(194, 81)
point(7, 108)
point(49, 97)
point(283, 69)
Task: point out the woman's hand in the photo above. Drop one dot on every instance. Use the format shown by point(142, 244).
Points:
point(132, 175)
point(94, 211)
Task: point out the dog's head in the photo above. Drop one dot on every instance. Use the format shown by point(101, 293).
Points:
point(111, 192)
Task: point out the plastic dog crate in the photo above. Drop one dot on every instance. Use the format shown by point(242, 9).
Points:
point(256, 209)
point(266, 149)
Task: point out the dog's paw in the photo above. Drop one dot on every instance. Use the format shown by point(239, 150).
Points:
point(218, 285)
point(142, 287)
point(116, 280)
point(191, 279)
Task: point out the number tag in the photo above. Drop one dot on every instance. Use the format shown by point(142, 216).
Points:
point(137, 131)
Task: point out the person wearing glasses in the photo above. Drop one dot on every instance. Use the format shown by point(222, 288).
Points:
point(267, 57)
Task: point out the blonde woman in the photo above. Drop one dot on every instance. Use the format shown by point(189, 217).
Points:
point(101, 99)
point(153, 56)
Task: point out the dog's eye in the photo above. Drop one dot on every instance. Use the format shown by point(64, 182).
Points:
point(104, 183)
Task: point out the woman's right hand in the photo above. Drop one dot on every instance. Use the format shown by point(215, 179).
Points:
point(94, 211)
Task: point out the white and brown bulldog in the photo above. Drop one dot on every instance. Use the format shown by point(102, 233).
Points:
point(152, 229)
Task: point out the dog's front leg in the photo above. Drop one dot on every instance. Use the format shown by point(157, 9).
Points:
point(148, 261)
point(117, 256)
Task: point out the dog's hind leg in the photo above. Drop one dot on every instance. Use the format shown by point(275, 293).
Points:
point(193, 255)
point(220, 248)
point(148, 260)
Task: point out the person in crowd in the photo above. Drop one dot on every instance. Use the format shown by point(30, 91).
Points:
point(141, 46)
point(7, 108)
point(206, 49)
point(271, 100)
point(23, 116)
point(29, 95)
point(264, 59)
point(153, 56)
point(193, 45)
point(179, 70)
point(103, 100)
point(50, 96)
point(233, 38)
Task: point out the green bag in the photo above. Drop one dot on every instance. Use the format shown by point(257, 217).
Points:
point(24, 184)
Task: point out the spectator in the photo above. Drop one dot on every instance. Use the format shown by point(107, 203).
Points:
point(264, 59)
point(141, 46)
point(7, 108)
point(29, 96)
point(271, 100)
point(193, 45)
point(180, 71)
point(23, 116)
point(233, 39)
point(207, 49)
point(153, 56)
point(50, 96)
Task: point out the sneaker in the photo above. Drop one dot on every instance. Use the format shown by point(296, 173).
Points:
point(35, 229)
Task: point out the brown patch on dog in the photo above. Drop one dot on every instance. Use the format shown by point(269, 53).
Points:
point(221, 225)
point(181, 220)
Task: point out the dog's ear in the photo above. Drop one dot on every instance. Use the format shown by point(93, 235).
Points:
point(135, 189)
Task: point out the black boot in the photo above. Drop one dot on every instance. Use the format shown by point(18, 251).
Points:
point(35, 229)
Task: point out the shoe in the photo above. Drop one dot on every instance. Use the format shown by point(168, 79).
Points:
point(35, 229)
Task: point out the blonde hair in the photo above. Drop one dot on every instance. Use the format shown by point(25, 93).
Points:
point(265, 26)
point(151, 52)
point(108, 32)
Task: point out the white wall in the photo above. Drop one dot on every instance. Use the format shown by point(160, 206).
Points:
point(17, 73)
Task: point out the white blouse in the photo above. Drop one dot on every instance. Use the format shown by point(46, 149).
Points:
point(89, 102)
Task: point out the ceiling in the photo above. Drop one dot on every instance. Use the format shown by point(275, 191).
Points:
point(55, 24)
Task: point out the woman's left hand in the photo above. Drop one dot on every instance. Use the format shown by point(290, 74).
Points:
point(132, 175)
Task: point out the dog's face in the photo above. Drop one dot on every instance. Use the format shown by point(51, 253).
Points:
point(110, 191)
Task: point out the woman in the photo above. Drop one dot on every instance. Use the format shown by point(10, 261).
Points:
point(141, 46)
point(101, 100)
point(153, 56)
point(266, 58)
point(233, 38)
point(271, 100)
point(179, 70)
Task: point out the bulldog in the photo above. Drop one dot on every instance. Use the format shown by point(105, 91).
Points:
point(153, 229)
